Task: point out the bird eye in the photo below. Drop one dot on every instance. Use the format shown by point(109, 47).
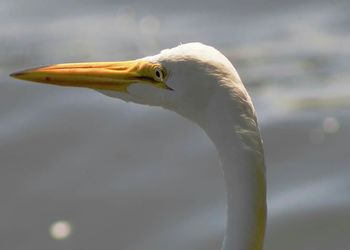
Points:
point(158, 74)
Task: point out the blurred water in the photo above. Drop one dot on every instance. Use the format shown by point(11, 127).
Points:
point(131, 177)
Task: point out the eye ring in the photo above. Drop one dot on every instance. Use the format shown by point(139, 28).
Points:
point(158, 74)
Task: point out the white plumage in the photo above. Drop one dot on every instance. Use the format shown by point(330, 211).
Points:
point(197, 82)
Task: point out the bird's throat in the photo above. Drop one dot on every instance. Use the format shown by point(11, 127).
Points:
point(235, 133)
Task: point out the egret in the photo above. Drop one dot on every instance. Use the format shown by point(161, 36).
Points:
point(200, 83)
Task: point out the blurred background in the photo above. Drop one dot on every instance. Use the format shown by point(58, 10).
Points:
point(79, 170)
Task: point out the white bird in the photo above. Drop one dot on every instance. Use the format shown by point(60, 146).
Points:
point(199, 83)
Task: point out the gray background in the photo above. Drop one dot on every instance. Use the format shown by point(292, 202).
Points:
point(132, 177)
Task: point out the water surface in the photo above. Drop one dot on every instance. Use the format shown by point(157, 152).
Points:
point(132, 177)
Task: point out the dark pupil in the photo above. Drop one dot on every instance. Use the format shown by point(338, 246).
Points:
point(158, 73)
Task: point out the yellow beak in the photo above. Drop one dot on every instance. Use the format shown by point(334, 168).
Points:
point(115, 76)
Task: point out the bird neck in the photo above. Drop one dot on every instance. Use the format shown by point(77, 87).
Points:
point(232, 126)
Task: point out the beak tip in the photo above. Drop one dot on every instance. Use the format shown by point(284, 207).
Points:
point(17, 74)
point(20, 74)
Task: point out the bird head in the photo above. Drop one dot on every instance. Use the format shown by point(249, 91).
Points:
point(183, 79)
